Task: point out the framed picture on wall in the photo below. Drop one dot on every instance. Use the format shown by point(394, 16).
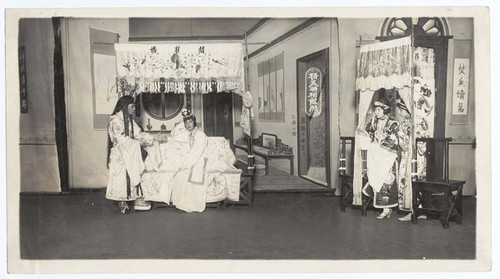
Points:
point(269, 140)
point(271, 89)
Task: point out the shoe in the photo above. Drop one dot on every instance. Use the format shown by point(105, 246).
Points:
point(142, 205)
point(385, 214)
point(405, 218)
point(124, 209)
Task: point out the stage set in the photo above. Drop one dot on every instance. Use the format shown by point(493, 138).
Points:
point(348, 118)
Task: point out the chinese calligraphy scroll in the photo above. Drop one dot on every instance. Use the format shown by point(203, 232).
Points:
point(22, 79)
point(313, 92)
point(460, 94)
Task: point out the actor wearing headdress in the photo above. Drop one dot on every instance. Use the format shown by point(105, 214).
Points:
point(125, 164)
point(189, 184)
point(382, 159)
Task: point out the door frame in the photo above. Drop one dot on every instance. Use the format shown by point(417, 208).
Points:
point(440, 46)
point(326, 53)
point(213, 112)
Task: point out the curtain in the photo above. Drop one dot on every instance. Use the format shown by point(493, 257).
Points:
point(424, 103)
point(61, 133)
point(180, 68)
point(364, 104)
point(406, 143)
point(385, 65)
point(382, 65)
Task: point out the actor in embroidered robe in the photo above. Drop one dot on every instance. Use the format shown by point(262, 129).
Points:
point(382, 161)
point(125, 164)
point(190, 183)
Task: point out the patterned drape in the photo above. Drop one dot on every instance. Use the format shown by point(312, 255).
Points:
point(385, 65)
point(180, 68)
point(424, 96)
point(424, 92)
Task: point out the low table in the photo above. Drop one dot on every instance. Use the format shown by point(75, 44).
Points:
point(264, 153)
point(448, 200)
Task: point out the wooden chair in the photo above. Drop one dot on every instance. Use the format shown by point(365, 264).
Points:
point(435, 194)
point(346, 175)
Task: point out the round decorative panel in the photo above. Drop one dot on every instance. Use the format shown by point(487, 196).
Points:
point(421, 26)
point(162, 108)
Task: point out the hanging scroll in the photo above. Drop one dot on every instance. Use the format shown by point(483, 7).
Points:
point(185, 68)
point(313, 83)
point(23, 83)
point(102, 63)
point(460, 90)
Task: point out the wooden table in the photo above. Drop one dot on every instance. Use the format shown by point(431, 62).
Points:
point(264, 153)
point(422, 190)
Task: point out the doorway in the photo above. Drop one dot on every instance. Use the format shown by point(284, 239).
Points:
point(218, 116)
point(312, 118)
point(435, 38)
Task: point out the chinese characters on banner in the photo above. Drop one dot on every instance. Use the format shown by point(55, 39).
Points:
point(460, 86)
point(23, 86)
point(313, 92)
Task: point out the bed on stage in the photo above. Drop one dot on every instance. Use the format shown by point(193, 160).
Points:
point(221, 178)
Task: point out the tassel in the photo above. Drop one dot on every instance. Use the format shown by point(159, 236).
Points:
point(139, 191)
point(128, 186)
point(131, 121)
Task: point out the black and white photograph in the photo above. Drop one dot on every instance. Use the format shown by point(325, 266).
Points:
point(160, 140)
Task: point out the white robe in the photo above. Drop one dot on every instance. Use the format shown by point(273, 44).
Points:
point(125, 157)
point(190, 183)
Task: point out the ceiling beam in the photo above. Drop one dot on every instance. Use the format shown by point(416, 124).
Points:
point(185, 38)
point(257, 26)
point(286, 35)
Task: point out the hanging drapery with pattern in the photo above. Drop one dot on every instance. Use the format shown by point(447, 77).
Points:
point(386, 65)
point(424, 96)
point(180, 68)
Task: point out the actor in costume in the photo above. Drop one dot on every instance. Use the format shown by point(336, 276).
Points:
point(382, 161)
point(125, 162)
point(190, 183)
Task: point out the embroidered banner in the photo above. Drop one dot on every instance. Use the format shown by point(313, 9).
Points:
point(313, 92)
point(180, 68)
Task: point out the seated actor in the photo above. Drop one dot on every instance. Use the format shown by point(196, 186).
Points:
point(189, 182)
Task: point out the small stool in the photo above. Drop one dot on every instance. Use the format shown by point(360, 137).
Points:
point(260, 169)
point(246, 190)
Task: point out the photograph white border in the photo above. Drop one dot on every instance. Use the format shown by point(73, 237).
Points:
point(483, 167)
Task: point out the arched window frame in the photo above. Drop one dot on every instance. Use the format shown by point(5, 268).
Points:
point(422, 26)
